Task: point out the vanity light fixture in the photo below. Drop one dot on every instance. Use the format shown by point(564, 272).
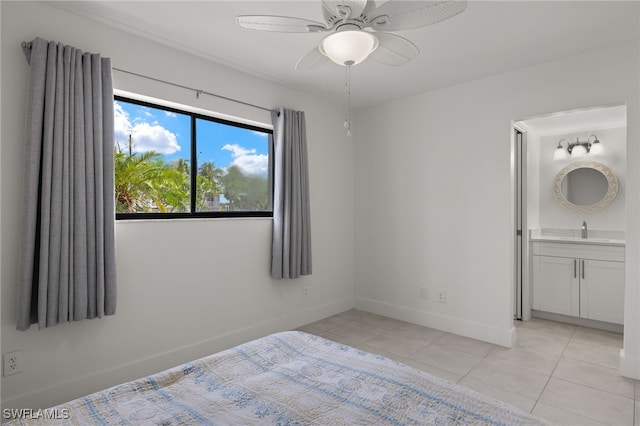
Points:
point(578, 148)
point(596, 146)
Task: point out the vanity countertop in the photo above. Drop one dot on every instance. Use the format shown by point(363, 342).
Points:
point(572, 236)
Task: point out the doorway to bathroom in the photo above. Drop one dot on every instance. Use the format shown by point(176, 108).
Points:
point(546, 150)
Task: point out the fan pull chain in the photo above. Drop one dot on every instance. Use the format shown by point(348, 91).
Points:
point(347, 121)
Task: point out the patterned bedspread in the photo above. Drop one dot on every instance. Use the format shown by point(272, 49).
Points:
point(289, 378)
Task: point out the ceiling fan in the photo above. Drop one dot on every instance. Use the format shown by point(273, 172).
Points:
point(359, 29)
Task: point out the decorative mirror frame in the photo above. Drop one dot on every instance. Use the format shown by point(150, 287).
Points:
point(612, 190)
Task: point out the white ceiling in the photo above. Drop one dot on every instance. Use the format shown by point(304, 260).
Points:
point(489, 37)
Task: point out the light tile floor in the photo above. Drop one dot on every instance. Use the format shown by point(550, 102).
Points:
point(564, 373)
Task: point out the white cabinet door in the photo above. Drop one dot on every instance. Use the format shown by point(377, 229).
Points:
point(556, 285)
point(602, 290)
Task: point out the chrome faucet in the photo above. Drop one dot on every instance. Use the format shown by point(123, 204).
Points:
point(584, 229)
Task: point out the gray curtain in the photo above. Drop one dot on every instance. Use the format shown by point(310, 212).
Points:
point(291, 249)
point(68, 243)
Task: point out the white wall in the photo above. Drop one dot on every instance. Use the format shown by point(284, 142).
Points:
point(533, 209)
point(186, 288)
point(434, 202)
point(554, 215)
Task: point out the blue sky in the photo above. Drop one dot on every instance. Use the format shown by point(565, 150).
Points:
point(169, 133)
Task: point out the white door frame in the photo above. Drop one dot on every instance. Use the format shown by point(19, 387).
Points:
point(522, 285)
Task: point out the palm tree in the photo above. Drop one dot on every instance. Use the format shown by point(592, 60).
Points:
point(209, 186)
point(144, 182)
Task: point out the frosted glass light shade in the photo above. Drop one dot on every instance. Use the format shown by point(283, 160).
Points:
point(578, 151)
point(596, 148)
point(348, 47)
point(560, 153)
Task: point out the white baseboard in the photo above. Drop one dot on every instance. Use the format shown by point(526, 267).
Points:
point(629, 366)
point(103, 379)
point(584, 322)
point(475, 330)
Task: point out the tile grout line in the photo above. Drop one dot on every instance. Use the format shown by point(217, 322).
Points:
point(476, 365)
point(535, 404)
point(569, 381)
point(572, 335)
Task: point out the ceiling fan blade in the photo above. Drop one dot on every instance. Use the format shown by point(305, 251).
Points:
point(311, 60)
point(344, 8)
point(393, 49)
point(404, 15)
point(283, 24)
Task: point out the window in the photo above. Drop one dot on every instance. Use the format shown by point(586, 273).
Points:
point(174, 164)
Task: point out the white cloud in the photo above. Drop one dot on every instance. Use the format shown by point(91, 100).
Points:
point(238, 151)
point(253, 164)
point(122, 126)
point(145, 136)
point(152, 137)
point(247, 160)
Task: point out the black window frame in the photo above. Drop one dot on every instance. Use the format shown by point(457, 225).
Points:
point(194, 168)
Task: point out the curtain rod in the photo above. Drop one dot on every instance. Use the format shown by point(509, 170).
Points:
point(26, 48)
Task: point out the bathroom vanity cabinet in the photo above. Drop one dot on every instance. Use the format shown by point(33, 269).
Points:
point(581, 279)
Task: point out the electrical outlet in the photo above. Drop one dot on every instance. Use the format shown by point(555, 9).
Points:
point(442, 296)
point(424, 293)
point(305, 292)
point(11, 363)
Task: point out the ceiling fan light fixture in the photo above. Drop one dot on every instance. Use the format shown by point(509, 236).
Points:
point(348, 47)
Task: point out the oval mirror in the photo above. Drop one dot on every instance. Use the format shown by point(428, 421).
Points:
point(585, 186)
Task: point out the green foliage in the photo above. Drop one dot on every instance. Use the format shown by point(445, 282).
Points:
point(208, 185)
point(245, 192)
point(145, 183)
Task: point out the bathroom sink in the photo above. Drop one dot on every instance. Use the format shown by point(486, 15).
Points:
point(598, 236)
point(553, 237)
point(578, 240)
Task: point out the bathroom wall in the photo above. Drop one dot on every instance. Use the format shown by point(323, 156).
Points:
point(553, 215)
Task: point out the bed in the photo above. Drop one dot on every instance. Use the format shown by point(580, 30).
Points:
point(288, 378)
